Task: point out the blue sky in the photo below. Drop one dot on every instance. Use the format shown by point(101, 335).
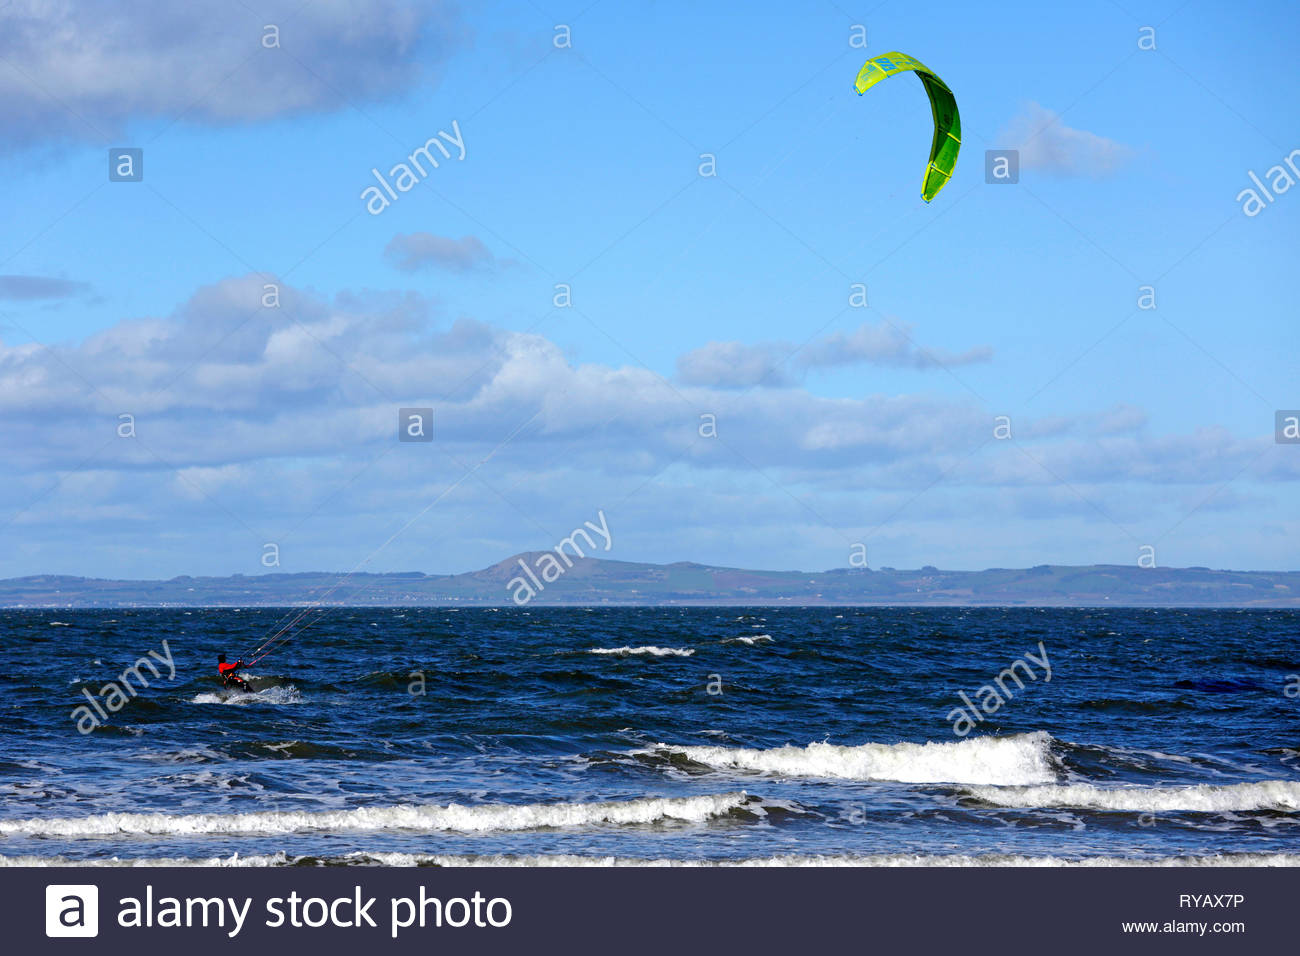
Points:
point(692, 296)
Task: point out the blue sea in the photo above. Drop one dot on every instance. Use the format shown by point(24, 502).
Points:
point(653, 735)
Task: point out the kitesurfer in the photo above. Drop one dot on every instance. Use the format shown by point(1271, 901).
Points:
point(228, 676)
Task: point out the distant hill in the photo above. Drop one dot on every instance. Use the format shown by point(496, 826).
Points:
point(599, 581)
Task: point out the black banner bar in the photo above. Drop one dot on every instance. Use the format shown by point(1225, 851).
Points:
point(651, 911)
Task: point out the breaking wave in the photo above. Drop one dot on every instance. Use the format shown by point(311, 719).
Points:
point(652, 651)
point(747, 639)
point(470, 819)
point(1277, 795)
point(1018, 759)
point(279, 694)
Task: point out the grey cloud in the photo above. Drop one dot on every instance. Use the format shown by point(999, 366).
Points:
point(18, 288)
point(735, 365)
point(1120, 419)
point(80, 72)
point(1205, 455)
point(1049, 426)
point(888, 344)
point(783, 364)
point(415, 251)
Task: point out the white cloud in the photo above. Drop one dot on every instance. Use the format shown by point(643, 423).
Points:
point(1046, 143)
point(243, 411)
point(81, 71)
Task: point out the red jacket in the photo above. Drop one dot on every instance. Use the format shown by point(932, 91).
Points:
point(225, 670)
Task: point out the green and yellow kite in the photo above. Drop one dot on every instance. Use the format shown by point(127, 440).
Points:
point(947, 123)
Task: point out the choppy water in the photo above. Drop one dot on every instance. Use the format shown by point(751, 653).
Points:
point(579, 735)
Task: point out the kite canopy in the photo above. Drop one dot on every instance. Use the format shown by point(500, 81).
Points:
point(947, 123)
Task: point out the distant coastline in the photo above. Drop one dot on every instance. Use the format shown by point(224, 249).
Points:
point(596, 581)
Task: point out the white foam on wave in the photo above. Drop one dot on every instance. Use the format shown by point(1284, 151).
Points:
point(651, 650)
point(1129, 752)
point(254, 860)
point(279, 694)
point(494, 817)
point(792, 860)
point(751, 641)
point(1282, 795)
point(1018, 759)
